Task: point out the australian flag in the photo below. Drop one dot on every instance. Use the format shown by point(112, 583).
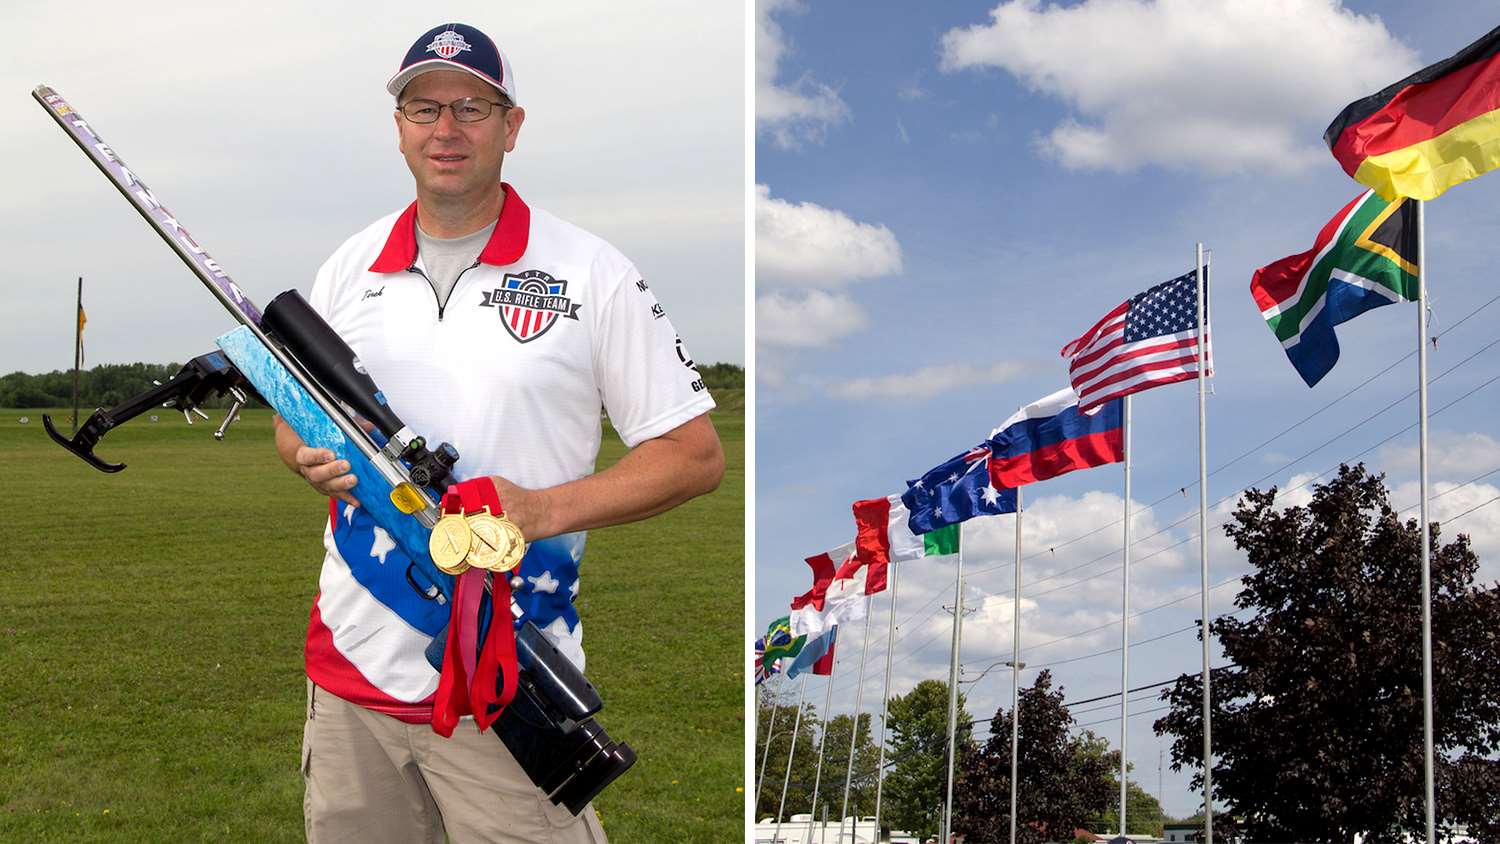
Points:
point(958, 490)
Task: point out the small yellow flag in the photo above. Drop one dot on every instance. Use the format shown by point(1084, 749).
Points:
point(82, 318)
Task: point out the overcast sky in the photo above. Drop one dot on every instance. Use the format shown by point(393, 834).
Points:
point(948, 193)
point(266, 128)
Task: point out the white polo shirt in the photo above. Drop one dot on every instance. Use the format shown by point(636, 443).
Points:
point(548, 328)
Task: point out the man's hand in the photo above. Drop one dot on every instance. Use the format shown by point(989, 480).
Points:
point(315, 465)
point(527, 508)
point(326, 475)
point(651, 478)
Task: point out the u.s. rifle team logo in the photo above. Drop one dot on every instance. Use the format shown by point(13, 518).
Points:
point(448, 44)
point(530, 303)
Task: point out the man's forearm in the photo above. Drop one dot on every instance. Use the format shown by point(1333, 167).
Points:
point(654, 477)
point(287, 443)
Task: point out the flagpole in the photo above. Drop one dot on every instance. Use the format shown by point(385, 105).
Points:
point(812, 816)
point(770, 730)
point(1125, 626)
point(77, 351)
point(890, 644)
point(958, 615)
point(791, 752)
point(1427, 756)
point(859, 688)
point(1015, 675)
point(1208, 752)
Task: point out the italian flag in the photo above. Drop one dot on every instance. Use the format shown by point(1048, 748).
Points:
point(883, 536)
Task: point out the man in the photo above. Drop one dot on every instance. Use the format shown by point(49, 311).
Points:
point(503, 330)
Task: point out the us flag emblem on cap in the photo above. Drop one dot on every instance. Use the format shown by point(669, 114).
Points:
point(455, 46)
point(448, 44)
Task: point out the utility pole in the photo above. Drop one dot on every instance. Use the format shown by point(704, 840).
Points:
point(1159, 756)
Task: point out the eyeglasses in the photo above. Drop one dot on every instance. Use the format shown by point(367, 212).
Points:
point(466, 110)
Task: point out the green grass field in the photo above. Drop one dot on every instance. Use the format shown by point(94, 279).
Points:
point(152, 623)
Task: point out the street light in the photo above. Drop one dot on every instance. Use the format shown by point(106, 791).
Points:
point(1007, 663)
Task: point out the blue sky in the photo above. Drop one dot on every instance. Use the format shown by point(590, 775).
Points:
point(950, 192)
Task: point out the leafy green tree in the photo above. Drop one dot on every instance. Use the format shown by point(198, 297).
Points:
point(105, 385)
point(1142, 808)
point(719, 376)
point(836, 764)
point(1317, 719)
point(917, 758)
point(1063, 780)
point(799, 789)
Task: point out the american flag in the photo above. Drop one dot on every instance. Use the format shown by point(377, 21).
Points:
point(1151, 339)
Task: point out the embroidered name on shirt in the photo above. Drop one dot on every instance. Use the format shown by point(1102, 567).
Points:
point(530, 303)
point(371, 294)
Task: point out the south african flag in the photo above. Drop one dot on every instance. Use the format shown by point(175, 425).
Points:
point(1365, 257)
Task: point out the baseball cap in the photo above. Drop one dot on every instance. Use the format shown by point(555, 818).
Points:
point(455, 46)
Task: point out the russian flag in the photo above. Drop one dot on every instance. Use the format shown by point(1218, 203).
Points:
point(1050, 437)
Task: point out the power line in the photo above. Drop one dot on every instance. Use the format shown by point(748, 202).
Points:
point(1186, 597)
point(1116, 718)
point(1280, 434)
point(1240, 491)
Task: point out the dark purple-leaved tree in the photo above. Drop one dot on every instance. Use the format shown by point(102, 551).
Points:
point(1062, 785)
point(1317, 720)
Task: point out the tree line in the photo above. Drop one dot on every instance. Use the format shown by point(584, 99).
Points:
point(109, 384)
point(1068, 781)
point(1317, 720)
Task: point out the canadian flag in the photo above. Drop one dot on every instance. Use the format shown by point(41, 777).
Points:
point(837, 595)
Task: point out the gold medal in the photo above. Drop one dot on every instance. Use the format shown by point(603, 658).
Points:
point(450, 543)
point(497, 543)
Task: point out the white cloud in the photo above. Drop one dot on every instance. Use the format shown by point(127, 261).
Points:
point(1478, 517)
point(806, 318)
point(1449, 455)
point(808, 245)
point(793, 112)
point(927, 381)
point(1221, 85)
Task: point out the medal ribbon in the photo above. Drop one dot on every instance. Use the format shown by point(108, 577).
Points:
point(473, 682)
point(494, 686)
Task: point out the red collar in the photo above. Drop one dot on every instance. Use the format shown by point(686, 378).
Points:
point(506, 244)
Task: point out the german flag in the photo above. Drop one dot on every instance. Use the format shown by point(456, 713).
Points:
point(1428, 132)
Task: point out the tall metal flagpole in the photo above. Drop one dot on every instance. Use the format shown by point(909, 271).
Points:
point(958, 616)
point(791, 752)
point(1015, 676)
point(760, 782)
point(77, 351)
point(1427, 758)
point(812, 816)
point(1208, 750)
point(885, 698)
point(1125, 627)
point(859, 688)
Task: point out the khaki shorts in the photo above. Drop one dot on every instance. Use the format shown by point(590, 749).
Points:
point(372, 778)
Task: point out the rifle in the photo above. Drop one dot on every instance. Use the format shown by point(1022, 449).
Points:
point(291, 359)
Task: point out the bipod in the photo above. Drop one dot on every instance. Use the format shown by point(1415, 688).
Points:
point(205, 375)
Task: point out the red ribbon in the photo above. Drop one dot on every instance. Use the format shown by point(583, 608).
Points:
point(474, 679)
